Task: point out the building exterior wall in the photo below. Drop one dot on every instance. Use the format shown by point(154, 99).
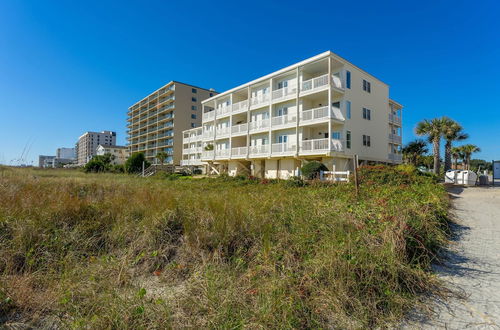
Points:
point(156, 123)
point(323, 108)
point(120, 153)
point(87, 144)
point(66, 153)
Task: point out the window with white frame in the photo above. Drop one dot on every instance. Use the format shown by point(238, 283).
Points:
point(366, 86)
point(348, 109)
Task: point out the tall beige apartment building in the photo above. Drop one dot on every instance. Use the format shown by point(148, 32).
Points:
point(323, 108)
point(87, 144)
point(156, 122)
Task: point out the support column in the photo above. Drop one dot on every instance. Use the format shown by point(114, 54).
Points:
point(329, 104)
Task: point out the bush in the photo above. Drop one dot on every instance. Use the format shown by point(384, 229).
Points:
point(312, 169)
point(98, 164)
point(134, 163)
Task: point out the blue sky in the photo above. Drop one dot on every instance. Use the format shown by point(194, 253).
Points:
point(67, 67)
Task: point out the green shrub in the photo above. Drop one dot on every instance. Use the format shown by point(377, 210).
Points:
point(311, 170)
point(134, 163)
point(98, 164)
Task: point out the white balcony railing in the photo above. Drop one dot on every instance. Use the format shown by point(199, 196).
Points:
point(223, 110)
point(258, 125)
point(222, 153)
point(394, 138)
point(239, 129)
point(321, 113)
point(208, 134)
point(283, 148)
point(259, 100)
point(240, 106)
point(207, 154)
point(284, 92)
point(320, 145)
point(239, 152)
point(191, 162)
point(283, 120)
point(223, 131)
point(395, 157)
point(208, 115)
point(394, 119)
point(314, 83)
point(262, 149)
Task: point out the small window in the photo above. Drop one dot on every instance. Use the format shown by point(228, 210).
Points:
point(211, 94)
point(366, 141)
point(348, 79)
point(193, 116)
point(193, 125)
point(348, 139)
point(193, 99)
point(348, 109)
point(367, 114)
point(366, 86)
point(194, 107)
point(194, 90)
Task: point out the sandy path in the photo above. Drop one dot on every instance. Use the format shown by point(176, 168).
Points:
point(472, 264)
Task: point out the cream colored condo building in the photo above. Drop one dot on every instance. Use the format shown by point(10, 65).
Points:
point(87, 144)
point(323, 108)
point(120, 153)
point(155, 123)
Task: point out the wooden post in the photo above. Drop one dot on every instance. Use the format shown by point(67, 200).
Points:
point(142, 168)
point(356, 183)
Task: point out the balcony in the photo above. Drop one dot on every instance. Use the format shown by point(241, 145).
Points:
point(314, 84)
point(240, 129)
point(395, 157)
point(393, 119)
point(191, 162)
point(240, 106)
point(283, 149)
point(261, 150)
point(207, 154)
point(239, 152)
point(284, 93)
point(223, 132)
point(321, 114)
point(286, 120)
point(319, 146)
point(259, 101)
point(222, 153)
point(394, 138)
point(208, 134)
point(223, 111)
point(259, 125)
point(208, 116)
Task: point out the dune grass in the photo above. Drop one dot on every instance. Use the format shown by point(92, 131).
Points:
point(116, 251)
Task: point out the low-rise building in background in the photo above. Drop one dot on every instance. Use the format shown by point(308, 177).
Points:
point(119, 153)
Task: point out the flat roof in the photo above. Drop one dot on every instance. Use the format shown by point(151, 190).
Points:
point(170, 83)
point(288, 68)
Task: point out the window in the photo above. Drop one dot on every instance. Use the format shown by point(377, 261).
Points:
point(211, 94)
point(336, 135)
point(194, 90)
point(193, 99)
point(283, 84)
point(282, 111)
point(193, 125)
point(366, 86)
point(193, 116)
point(366, 140)
point(283, 139)
point(348, 139)
point(367, 114)
point(348, 109)
point(348, 79)
point(194, 107)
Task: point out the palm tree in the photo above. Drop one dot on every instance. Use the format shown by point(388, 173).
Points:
point(468, 150)
point(161, 156)
point(452, 131)
point(414, 150)
point(434, 130)
point(456, 153)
